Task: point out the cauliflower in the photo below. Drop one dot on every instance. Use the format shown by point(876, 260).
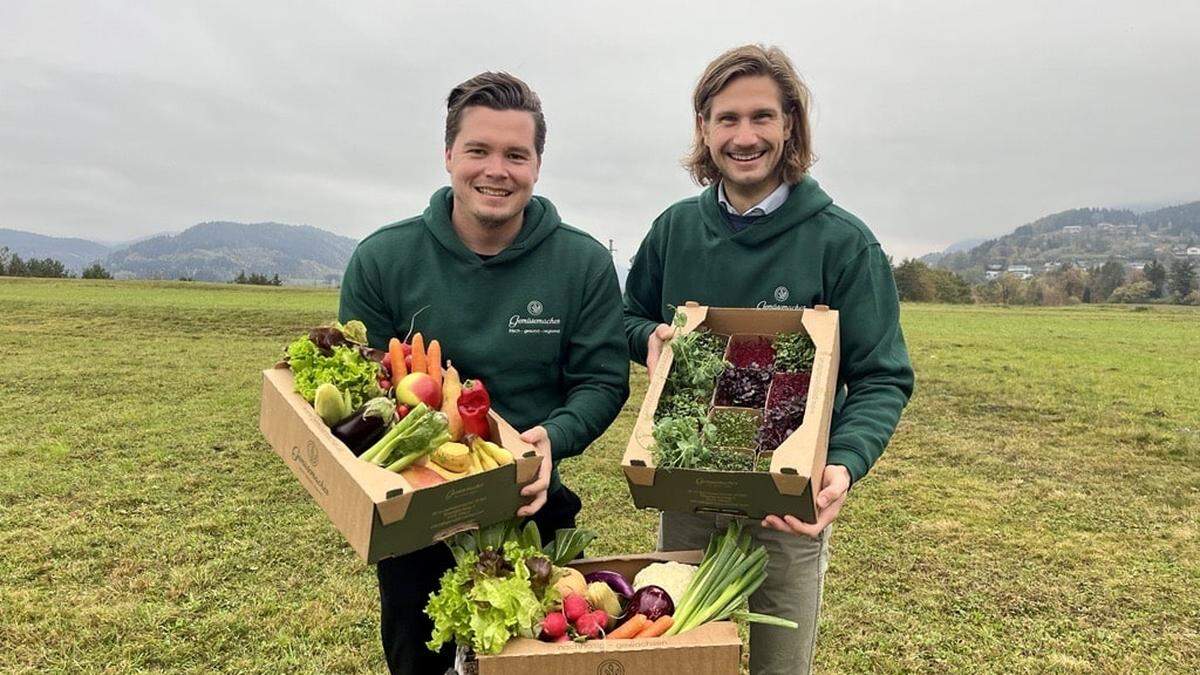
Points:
point(671, 576)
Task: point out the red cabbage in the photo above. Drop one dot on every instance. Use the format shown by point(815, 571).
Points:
point(651, 601)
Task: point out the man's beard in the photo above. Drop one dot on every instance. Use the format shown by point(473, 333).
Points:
point(494, 223)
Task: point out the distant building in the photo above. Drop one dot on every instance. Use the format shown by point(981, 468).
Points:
point(1193, 250)
point(1023, 271)
point(993, 271)
point(1127, 228)
point(1138, 264)
point(1104, 226)
point(1072, 229)
point(1051, 265)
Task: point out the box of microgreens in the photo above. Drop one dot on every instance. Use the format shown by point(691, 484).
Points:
point(736, 417)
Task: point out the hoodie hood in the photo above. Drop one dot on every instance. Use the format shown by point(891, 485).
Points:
point(540, 221)
point(805, 200)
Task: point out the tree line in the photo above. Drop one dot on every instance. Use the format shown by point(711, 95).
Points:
point(1111, 282)
point(12, 265)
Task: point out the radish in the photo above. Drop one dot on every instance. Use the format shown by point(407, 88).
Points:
point(554, 626)
point(575, 606)
point(601, 617)
point(589, 626)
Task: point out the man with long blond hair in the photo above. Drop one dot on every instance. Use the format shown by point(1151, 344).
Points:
point(778, 240)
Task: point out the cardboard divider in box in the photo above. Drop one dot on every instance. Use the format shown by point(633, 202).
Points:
point(711, 649)
point(379, 512)
point(788, 488)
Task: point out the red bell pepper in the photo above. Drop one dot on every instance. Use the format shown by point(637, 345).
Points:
point(473, 405)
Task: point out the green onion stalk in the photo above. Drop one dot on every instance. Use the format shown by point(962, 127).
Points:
point(728, 575)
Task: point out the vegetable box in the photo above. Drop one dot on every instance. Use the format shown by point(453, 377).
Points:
point(711, 649)
point(752, 480)
point(379, 512)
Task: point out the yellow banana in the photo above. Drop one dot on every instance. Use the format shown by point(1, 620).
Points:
point(444, 472)
point(498, 453)
point(455, 457)
point(486, 460)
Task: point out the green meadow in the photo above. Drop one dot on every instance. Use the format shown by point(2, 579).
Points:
point(1038, 509)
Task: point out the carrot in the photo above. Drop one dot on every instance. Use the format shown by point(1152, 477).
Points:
point(435, 361)
point(630, 628)
point(657, 628)
point(418, 354)
point(397, 352)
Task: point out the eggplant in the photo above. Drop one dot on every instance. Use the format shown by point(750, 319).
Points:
point(615, 581)
point(652, 601)
point(366, 425)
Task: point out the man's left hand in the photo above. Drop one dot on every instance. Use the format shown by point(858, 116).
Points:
point(835, 484)
point(540, 440)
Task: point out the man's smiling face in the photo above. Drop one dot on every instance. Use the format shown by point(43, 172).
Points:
point(745, 132)
point(493, 165)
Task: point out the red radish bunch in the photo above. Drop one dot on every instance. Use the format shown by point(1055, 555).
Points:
point(577, 619)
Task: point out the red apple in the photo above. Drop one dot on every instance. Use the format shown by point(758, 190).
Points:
point(417, 388)
point(421, 477)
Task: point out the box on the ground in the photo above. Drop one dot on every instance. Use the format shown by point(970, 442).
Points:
point(711, 649)
point(796, 466)
point(378, 511)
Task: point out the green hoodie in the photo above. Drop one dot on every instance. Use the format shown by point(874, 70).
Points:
point(808, 252)
point(539, 323)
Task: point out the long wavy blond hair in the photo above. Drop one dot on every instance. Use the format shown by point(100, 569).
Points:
point(745, 61)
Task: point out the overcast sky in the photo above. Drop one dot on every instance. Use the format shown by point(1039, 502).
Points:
point(934, 121)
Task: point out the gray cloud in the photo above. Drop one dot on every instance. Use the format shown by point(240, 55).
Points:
point(934, 121)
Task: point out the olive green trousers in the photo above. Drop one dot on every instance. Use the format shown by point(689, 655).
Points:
point(795, 579)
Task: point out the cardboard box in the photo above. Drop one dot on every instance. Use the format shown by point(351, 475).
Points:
point(789, 487)
point(378, 511)
point(711, 649)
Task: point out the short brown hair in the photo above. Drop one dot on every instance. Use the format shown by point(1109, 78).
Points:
point(744, 61)
point(498, 91)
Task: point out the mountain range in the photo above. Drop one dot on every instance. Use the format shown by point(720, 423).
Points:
point(75, 254)
point(1084, 237)
point(215, 251)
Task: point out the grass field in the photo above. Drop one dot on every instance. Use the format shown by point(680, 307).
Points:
point(1038, 510)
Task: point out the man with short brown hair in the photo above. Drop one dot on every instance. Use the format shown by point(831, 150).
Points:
point(778, 240)
point(518, 299)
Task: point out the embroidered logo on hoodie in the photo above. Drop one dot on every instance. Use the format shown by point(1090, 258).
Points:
point(533, 323)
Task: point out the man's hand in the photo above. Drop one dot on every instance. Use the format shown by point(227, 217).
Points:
point(540, 440)
point(835, 483)
point(654, 344)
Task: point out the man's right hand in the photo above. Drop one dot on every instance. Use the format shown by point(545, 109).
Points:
point(658, 337)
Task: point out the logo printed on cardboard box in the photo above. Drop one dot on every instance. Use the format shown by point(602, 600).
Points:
point(307, 461)
point(781, 294)
point(715, 483)
point(611, 667)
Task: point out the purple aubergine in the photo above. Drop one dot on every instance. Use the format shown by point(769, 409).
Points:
point(615, 581)
point(359, 432)
point(652, 601)
point(366, 425)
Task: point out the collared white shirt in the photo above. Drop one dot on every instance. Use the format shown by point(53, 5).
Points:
point(772, 202)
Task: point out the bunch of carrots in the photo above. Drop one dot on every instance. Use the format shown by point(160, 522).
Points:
point(404, 358)
point(638, 626)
